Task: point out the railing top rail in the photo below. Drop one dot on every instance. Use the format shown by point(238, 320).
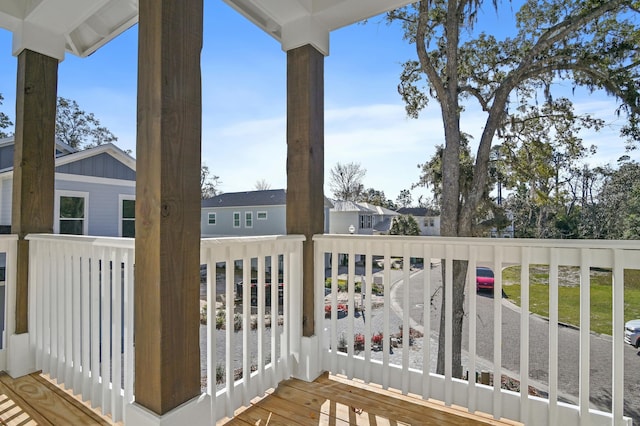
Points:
point(8, 237)
point(206, 242)
point(119, 242)
point(492, 242)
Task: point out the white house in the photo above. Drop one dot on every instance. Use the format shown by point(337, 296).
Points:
point(94, 190)
point(365, 218)
point(428, 219)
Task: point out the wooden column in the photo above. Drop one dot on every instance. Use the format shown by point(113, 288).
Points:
point(167, 273)
point(305, 161)
point(33, 163)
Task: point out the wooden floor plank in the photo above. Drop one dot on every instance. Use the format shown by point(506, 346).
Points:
point(381, 406)
point(415, 403)
point(338, 401)
point(14, 400)
point(94, 417)
point(41, 402)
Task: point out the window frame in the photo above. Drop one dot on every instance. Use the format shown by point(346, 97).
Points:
point(214, 216)
point(248, 219)
point(121, 199)
point(236, 219)
point(56, 208)
point(262, 212)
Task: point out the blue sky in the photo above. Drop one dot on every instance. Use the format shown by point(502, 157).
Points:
point(244, 102)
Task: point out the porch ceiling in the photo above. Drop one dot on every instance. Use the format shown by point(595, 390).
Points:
point(273, 16)
point(80, 27)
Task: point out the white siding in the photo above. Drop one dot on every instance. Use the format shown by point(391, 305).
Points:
point(340, 222)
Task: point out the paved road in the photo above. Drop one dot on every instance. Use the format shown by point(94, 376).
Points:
point(538, 349)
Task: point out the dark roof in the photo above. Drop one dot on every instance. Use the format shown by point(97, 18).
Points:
point(418, 211)
point(270, 197)
point(383, 225)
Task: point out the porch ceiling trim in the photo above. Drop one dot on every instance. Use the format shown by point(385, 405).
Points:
point(80, 27)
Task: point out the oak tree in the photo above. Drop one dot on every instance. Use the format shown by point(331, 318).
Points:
point(589, 43)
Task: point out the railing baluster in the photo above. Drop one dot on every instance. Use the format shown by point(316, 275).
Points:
point(367, 289)
point(334, 308)
point(97, 263)
point(129, 359)
point(426, 319)
point(448, 328)
point(585, 327)
point(351, 273)
point(386, 332)
point(76, 316)
point(617, 373)
point(246, 318)
point(67, 334)
point(85, 323)
point(524, 335)
point(116, 339)
point(105, 329)
point(275, 328)
point(229, 332)
point(406, 319)
point(261, 322)
point(212, 311)
point(497, 333)
point(473, 312)
point(553, 336)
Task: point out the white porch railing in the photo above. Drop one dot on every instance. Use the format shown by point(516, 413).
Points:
point(8, 252)
point(248, 342)
point(377, 367)
point(81, 316)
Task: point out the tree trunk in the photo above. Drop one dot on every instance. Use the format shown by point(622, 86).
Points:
point(459, 280)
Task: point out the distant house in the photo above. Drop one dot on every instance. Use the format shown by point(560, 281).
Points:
point(365, 218)
point(248, 213)
point(428, 219)
point(94, 190)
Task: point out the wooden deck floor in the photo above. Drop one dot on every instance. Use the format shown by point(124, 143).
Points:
point(336, 401)
point(33, 400)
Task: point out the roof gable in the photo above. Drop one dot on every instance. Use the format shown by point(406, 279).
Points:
point(270, 197)
point(106, 161)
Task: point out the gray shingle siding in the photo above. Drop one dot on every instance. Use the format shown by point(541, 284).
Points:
point(101, 165)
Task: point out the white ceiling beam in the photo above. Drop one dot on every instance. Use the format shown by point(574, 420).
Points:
point(306, 30)
point(37, 39)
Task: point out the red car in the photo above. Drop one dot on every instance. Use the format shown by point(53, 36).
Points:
point(484, 278)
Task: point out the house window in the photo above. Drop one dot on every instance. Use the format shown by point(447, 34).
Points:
point(212, 219)
point(262, 215)
point(71, 212)
point(236, 219)
point(365, 222)
point(248, 219)
point(128, 218)
point(432, 222)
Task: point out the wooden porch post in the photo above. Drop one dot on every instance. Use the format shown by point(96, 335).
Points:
point(167, 273)
point(305, 161)
point(33, 163)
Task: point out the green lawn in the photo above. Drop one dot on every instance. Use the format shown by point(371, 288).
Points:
point(569, 295)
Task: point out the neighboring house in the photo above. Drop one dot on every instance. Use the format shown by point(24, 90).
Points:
point(248, 213)
point(365, 218)
point(94, 190)
point(428, 219)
